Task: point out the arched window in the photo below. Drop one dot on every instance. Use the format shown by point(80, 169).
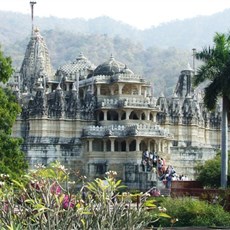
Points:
point(115, 89)
point(123, 146)
point(112, 115)
point(132, 145)
point(98, 145)
point(151, 117)
point(108, 145)
point(143, 146)
point(133, 116)
point(143, 116)
point(101, 116)
point(123, 116)
point(105, 90)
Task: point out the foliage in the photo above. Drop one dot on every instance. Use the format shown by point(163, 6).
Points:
point(215, 69)
point(46, 199)
point(5, 67)
point(12, 159)
point(215, 72)
point(209, 173)
point(8, 111)
point(183, 34)
point(192, 212)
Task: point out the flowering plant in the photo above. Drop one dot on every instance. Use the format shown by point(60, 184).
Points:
point(46, 199)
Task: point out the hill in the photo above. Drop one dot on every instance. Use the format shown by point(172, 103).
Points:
point(158, 53)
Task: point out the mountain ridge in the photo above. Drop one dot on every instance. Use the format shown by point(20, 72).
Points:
point(158, 53)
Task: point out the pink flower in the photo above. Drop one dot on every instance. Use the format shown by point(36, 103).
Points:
point(55, 189)
point(67, 202)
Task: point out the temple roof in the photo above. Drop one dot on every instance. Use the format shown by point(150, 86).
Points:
point(111, 67)
point(80, 64)
point(36, 61)
point(37, 57)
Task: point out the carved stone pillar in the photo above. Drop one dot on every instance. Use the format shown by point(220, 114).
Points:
point(145, 93)
point(98, 90)
point(90, 142)
point(127, 114)
point(137, 145)
point(157, 146)
point(120, 89)
point(67, 86)
point(155, 117)
point(112, 145)
point(148, 115)
point(168, 147)
point(127, 146)
point(112, 90)
point(105, 115)
point(104, 145)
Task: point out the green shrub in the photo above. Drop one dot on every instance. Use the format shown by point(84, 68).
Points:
point(193, 212)
point(46, 199)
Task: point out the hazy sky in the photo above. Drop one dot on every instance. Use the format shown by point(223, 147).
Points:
point(139, 13)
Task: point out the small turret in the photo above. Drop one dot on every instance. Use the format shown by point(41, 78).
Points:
point(184, 83)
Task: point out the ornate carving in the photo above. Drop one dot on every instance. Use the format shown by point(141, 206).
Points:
point(38, 106)
point(56, 104)
point(72, 105)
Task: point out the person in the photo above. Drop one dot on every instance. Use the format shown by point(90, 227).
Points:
point(144, 165)
point(169, 176)
point(149, 165)
point(160, 166)
point(151, 156)
point(155, 192)
point(168, 180)
point(146, 154)
point(153, 174)
point(155, 158)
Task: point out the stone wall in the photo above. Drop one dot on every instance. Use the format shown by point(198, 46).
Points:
point(184, 159)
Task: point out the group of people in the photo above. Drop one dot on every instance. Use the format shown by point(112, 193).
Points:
point(151, 162)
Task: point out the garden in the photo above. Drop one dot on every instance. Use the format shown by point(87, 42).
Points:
point(46, 198)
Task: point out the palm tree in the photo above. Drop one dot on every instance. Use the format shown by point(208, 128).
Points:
point(216, 72)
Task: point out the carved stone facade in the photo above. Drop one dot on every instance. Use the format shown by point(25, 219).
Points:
point(102, 118)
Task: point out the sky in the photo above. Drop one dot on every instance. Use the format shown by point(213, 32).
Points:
point(141, 14)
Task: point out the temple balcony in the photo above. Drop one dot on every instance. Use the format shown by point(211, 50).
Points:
point(128, 78)
point(126, 103)
point(124, 131)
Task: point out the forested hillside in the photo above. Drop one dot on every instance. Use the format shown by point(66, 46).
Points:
point(159, 53)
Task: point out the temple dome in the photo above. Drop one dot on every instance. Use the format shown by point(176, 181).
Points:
point(126, 70)
point(81, 65)
point(109, 67)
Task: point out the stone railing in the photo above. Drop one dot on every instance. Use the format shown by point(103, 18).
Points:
point(147, 130)
point(131, 102)
point(113, 130)
point(102, 78)
point(130, 130)
point(114, 78)
point(109, 103)
point(134, 102)
point(127, 78)
point(88, 81)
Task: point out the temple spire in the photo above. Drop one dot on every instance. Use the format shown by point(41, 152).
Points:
point(32, 3)
point(194, 58)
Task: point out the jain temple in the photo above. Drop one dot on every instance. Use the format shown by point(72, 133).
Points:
point(100, 118)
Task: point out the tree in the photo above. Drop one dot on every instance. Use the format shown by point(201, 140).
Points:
point(216, 71)
point(12, 159)
point(209, 173)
